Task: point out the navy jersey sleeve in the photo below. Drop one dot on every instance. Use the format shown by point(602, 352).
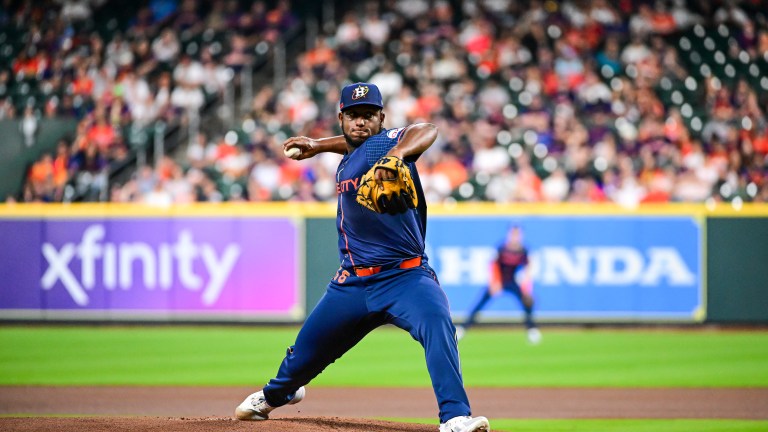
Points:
point(378, 146)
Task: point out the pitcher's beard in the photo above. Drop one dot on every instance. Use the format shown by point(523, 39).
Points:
point(352, 141)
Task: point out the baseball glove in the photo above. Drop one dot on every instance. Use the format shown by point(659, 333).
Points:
point(392, 196)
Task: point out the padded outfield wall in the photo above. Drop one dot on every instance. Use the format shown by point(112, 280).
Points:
point(271, 262)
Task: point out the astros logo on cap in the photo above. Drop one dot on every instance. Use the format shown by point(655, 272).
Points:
point(359, 92)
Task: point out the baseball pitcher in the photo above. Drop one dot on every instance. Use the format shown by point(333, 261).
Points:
point(384, 277)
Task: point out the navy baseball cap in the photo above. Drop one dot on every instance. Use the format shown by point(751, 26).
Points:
point(360, 94)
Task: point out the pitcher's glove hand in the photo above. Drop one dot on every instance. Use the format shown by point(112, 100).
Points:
point(391, 190)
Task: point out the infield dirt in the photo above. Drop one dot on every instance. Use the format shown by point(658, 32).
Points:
point(193, 409)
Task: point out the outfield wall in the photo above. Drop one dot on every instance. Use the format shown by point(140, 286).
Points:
point(271, 262)
point(737, 269)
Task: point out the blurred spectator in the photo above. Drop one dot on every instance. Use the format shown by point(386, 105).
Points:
point(165, 48)
point(374, 29)
point(237, 57)
point(75, 10)
point(188, 76)
point(388, 81)
point(349, 38)
point(61, 169)
point(41, 182)
point(555, 187)
point(29, 126)
point(608, 59)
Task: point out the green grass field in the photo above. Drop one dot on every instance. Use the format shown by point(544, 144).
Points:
point(490, 357)
point(85, 355)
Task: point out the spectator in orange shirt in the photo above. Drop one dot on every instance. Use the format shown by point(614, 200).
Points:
point(102, 134)
point(450, 168)
point(760, 142)
point(428, 103)
point(41, 178)
point(61, 165)
point(29, 64)
point(82, 84)
point(320, 55)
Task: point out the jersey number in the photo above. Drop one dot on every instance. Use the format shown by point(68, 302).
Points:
point(341, 276)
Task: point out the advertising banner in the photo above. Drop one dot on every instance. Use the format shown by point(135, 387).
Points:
point(222, 268)
point(583, 267)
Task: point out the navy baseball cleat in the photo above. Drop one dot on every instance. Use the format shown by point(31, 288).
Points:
point(255, 406)
point(466, 424)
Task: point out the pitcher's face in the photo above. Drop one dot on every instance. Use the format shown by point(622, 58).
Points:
point(358, 123)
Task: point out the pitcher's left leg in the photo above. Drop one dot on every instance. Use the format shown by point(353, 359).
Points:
point(419, 306)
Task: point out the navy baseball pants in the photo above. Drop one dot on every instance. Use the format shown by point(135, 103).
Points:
point(352, 307)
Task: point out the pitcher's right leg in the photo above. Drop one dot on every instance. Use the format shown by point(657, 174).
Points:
point(338, 322)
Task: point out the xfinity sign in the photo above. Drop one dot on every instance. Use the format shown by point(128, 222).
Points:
point(160, 265)
point(223, 268)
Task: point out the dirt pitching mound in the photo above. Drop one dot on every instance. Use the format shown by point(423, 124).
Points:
point(210, 409)
point(208, 424)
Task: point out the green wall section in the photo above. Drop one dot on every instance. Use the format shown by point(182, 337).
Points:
point(16, 157)
point(737, 269)
point(321, 257)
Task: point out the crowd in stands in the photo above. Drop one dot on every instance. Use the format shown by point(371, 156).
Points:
point(536, 101)
point(118, 68)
